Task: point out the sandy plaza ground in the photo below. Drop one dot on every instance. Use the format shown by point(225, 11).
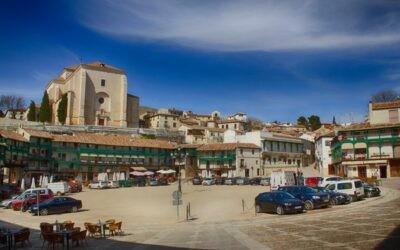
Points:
point(220, 220)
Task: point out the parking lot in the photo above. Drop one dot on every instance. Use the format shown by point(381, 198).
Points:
point(220, 220)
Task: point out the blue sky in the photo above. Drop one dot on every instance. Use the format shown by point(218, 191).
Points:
point(274, 60)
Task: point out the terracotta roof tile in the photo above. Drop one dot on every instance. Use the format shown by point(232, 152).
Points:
point(385, 105)
point(226, 146)
point(219, 130)
point(97, 66)
point(360, 126)
point(12, 135)
point(38, 133)
point(113, 140)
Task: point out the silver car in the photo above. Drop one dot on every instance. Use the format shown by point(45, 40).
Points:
point(208, 181)
point(7, 203)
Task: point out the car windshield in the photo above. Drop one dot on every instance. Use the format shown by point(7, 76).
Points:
point(284, 195)
point(309, 190)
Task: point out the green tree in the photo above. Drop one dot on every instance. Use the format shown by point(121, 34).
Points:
point(32, 112)
point(62, 109)
point(45, 109)
point(314, 122)
point(302, 121)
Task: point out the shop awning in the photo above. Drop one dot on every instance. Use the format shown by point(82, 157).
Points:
point(347, 146)
point(138, 169)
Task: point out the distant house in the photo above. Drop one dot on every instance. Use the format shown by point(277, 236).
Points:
point(229, 160)
point(385, 112)
point(19, 114)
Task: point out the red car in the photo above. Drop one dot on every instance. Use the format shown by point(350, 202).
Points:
point(27, 202)
point(75, 187)
point(312, 181)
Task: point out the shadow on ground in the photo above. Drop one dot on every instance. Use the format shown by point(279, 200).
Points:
point(392, 241)
point(115, 242)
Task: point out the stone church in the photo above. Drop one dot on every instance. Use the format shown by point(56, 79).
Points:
point(97, 95)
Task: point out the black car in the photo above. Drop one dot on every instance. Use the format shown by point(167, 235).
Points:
point(219, 180)
point(56, 205)
point(197, 180)
point(255, 181)
point(312, 199)
point(334, 197)
point(278, 202)
point(371, 191)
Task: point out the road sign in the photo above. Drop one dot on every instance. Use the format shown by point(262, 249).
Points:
point(177, 195)
point(176, 202)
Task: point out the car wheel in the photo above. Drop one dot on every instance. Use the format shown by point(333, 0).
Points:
point(279, 210)
point(258, 209)
point(9, 206)
point(44, 212)
point(58, 193)
point(308, 205)
point(74, 209)
point(353, 198)
point(23, 209)
point(332, 202)
point(368, 194)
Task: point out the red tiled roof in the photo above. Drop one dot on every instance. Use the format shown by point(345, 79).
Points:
point(113, 140)
point(385, 105)
point(38, 133)
point(226, 146)
point(12, 135)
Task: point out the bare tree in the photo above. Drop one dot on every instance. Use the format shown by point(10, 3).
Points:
point(254, 123)
point(11, 103)
point(384, 96)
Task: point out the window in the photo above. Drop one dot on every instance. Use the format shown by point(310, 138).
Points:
point(252, 151)
point(393, 115)
point(174, 125)
point(101, 100)
point(241, 151)
point(103, 82)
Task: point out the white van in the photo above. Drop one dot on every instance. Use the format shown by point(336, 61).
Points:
point(354, 188)
point(59, 188)
point(281, 178)
point(41, 191)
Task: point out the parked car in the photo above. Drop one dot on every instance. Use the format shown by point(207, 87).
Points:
point(75, 186)
point(24, 204)
point(311, 198)
point(208, 182)
point(335, 198)
point(230, 181)
point(370, 190)
point(242, 181)
point(98, 185)
point(255, 181)
point(219, 180)
point(59, 188)
point(7, 203)
point(7, 191)
point(56, 205)
point(163, 181)
point(265, 181)
point(113, 184)
point(312, 181)
point(352, 187)
point(41, 191)
point(325, 181)
point(197, 180)
point(153, 182)
point(278, 202)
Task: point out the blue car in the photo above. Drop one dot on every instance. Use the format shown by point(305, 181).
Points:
point(311, 198)
point(56, 205)
point(335, 198)
point(278, 202)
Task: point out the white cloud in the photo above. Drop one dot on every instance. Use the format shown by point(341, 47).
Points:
point(249, 25)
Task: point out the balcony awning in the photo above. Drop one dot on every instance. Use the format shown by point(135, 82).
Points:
point(347, 146)
point(360, 145)
point(138, 169)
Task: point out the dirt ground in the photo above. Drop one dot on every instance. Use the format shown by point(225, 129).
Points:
point(153, 205)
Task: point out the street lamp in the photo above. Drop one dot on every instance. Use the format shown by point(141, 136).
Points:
point(178, 155)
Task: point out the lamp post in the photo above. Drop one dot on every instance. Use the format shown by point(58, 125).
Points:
point(178, 155)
